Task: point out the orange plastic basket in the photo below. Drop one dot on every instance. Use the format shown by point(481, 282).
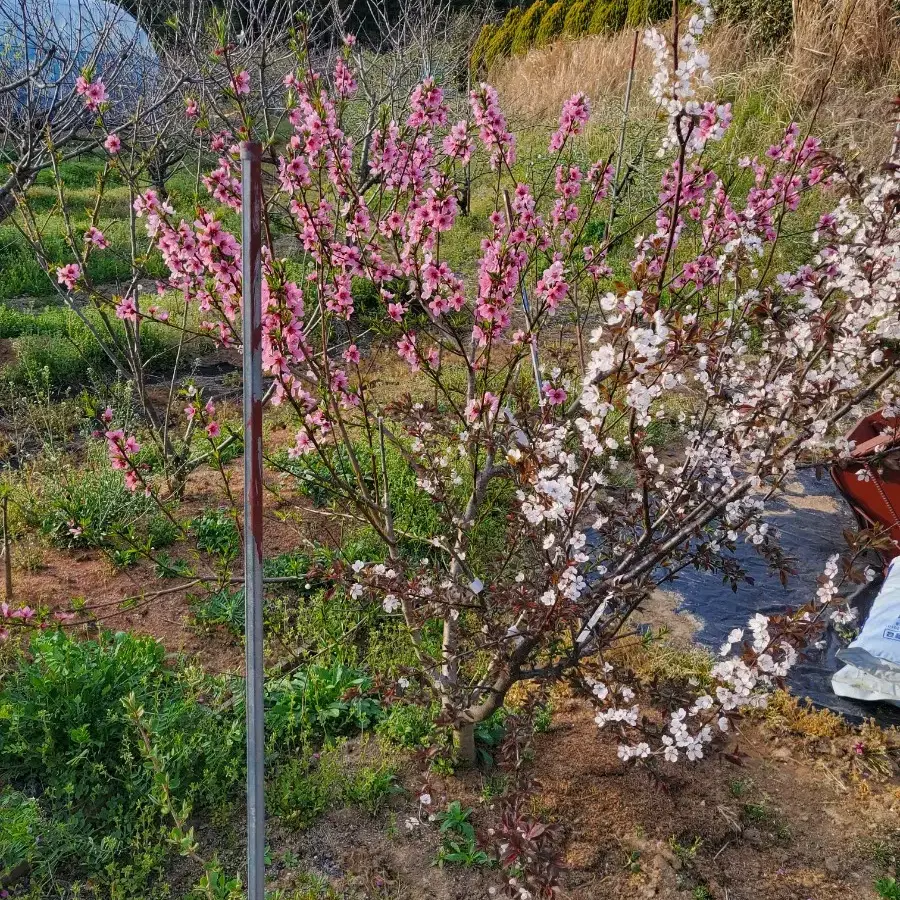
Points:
point(870, 479)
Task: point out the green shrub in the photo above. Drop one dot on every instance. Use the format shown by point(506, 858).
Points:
point(65, 734)
point(888, 888)
point(500, 45)
point(14, 322)
point(659, 10)
point(552, 24)
point(769, 21)
point(29, 838)
point(305, 786)
point(527, 29)
point(24, 277)
point(217, 534)
point(371, 787)
point(57, 346)
point(578, 18)
point(223, 607)
point(609, 16)
point(408, 725)
point(91, 507)
point(319, 701)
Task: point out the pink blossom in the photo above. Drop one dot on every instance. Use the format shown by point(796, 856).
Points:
point(68, 275)
point(127, 310)
point(575, 113)
point(351, 354)
point(240, 83)
point(493, 130)
point(191, 109)
point(96, 237)
point(406, 349)
point(213, 429)
point(113, 143)
point(344, 83)
point(488, 404)
point(556, 396)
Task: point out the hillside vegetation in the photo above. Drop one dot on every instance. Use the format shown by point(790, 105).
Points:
point(837, 61)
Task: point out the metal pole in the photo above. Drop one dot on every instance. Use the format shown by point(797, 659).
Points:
point(251, 261)
point(7, 559)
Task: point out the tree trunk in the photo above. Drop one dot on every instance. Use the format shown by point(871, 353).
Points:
point(19, 183)
point(464, 741)
point(367, 144)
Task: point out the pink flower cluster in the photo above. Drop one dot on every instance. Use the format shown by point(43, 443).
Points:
point(121, 449)
point(575, 113)
point(93, 92)
point(493, 129)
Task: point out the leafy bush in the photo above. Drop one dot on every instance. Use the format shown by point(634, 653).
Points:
point(458, 841)
point(888, 888)
point(370, 787)
point(770, 21)
point(408, 725)
point(658, 10)
point(552, 24)
point(500, 45)
point(29, 838)
point(609, 16)
point(92, 507)
point(14, 322)
point(305, 786)
point(527, 29)
point(217, 534)
point(64, 732)
point(320, 701)
point(223, 607)
point(578, 18)
point(414, 513)
point(60, 343)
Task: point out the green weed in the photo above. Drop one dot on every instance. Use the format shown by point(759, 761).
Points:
point(371, 787)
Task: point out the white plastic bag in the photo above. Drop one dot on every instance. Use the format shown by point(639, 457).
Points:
point(873, 670)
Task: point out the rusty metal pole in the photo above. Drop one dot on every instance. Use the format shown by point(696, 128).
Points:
point(7, 559)
point(251, 262)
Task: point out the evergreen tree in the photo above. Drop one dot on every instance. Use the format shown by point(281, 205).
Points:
point(578, 19)
point(552, 24)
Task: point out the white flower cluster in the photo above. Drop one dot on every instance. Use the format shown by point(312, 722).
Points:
point(675, 88)
point(738, 684)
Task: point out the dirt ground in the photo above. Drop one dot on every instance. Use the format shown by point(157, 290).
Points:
point(797, 815)
point(786, 824)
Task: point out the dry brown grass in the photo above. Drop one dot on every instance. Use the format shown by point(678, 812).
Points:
point(845, 53)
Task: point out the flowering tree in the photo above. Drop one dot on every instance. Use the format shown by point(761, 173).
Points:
point(757, 370)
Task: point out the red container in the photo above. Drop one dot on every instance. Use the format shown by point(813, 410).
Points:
point(870, 480)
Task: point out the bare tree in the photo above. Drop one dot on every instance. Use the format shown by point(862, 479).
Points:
point(45, 47)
